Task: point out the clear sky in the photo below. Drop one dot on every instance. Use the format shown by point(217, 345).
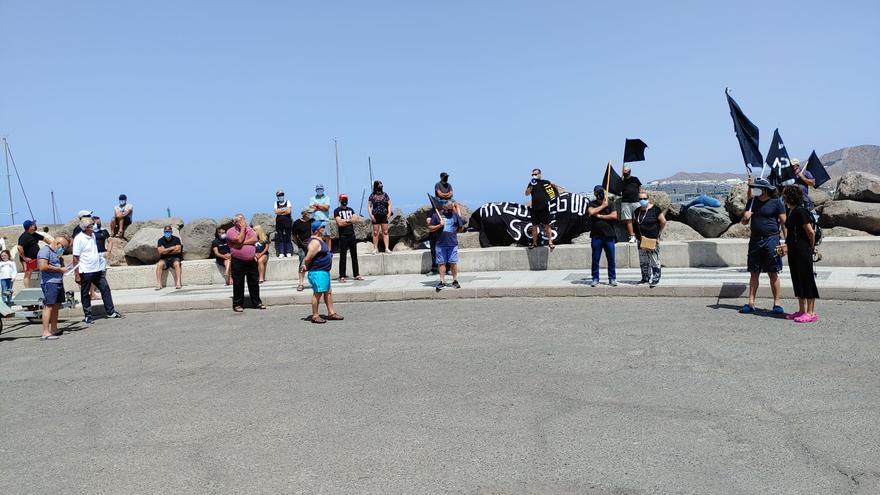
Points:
point(208, 107)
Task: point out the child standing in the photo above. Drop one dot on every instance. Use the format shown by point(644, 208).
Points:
point(7, 275)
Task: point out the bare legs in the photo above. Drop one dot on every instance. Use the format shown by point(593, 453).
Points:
point(50, 319)
point(385, 239)
point(328, 301)
point(753, 287)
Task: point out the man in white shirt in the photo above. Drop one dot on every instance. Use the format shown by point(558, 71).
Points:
point(90, 270)
point(121, 216)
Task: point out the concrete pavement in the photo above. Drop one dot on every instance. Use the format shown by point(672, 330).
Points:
point(517, 395)
point(861, 284)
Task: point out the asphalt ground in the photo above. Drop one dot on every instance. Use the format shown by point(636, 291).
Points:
point(519, 395)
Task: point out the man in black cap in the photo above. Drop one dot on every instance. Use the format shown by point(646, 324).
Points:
point(766, 215)
point(542, 192)
point(121, 216)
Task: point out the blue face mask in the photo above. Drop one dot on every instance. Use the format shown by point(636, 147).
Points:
point(168, 235)
point(643, 202)
point(59, 250)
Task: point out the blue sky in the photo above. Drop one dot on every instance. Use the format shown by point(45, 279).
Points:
point(207, 107)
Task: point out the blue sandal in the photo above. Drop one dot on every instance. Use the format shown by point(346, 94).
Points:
point(777, 310)
point(747, 309)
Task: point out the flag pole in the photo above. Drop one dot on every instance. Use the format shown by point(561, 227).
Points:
point(608, 177)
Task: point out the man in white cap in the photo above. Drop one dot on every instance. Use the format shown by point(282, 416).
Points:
point(90, 270)
point(79, 216)
point(320, 206)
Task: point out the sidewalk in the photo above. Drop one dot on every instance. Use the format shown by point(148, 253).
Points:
point(862, 284)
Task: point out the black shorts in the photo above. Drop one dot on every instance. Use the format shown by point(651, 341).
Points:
point(169, 262)
point(762, 255)
point(540, 216)
point(381, 219)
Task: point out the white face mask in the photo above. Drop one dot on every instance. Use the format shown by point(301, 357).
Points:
point(756, 191)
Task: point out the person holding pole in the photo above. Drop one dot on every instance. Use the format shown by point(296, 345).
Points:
point(447, 225)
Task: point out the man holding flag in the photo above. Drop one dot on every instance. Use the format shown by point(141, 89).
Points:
point(447, 224)
point(542, 192)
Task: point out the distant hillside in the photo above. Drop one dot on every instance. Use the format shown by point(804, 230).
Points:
point(702, 176)
point(865, 158)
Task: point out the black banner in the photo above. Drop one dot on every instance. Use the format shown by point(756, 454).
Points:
point(778, 166)
point(746, 133)
point(815, 167)
point(505, 223)
point(634, 150)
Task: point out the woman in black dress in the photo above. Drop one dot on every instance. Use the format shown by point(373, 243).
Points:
point(800, 242)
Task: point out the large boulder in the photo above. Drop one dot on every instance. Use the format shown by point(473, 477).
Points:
point(156, 223)
point(844, 232)
point(819, 197)
point(737, 231)
point(674, 212)
point(677, 231)
point(735, 204)
point(363, 229)
point(582, 239)
point(660, 199)
point(197, 237)
point(852, 214)
point(116, 255)
point(142, 245)
point(859, 186)
point(265, 220)
point(468, 240)
point(708, 221)
point(397, 224)
point(416, 221)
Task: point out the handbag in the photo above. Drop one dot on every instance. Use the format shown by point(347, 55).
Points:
point(648, 243)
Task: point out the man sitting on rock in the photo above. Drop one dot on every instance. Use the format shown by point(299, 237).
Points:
point(170, 254)
point(448, 228)
point(121, 216)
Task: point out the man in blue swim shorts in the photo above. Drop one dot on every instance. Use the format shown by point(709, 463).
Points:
point(448, 226)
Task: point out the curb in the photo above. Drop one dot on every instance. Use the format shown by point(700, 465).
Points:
point(725, 291)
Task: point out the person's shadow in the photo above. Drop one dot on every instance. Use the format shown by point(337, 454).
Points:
point(738, 290)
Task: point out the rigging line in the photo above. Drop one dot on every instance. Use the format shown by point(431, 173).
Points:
point(14, 167)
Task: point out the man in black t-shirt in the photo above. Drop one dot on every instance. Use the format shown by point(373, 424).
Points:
point(28, 248)
point(345, 218)
point(542, 192)
point(602, 236)
point(302, 231)
point(629, 200)
point(170, 254)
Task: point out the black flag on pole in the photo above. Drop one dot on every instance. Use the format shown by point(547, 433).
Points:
point(778, 166)
point(634, 151)
point(746, 133)
point(815, 167)
point(611, 181)
point(435, 203)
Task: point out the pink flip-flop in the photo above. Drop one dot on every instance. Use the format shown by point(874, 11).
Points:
point(795, 315)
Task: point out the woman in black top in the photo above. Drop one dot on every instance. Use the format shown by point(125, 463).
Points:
point(220, 250)
point(379, 206)
point(648, 223)
point(800, 242)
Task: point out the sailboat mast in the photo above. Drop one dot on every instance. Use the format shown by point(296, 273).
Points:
point(336, 146)
point(8, 180)
point(54, 210)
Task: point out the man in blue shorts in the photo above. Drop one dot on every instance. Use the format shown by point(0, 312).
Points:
point(767, 218)
point(317, 264)
point(448, 226)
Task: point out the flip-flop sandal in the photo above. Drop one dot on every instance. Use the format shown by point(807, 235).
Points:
point(238, 309)
point(49, 337)
point(359, 278)
point(777, 310)
point(343, 280)
point(335, 317)
point(262, 306)
point(319, 320)
point(552, 247)
point(747, 309)
point(300, 288)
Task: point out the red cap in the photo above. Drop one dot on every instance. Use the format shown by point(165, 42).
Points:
point(343, 196)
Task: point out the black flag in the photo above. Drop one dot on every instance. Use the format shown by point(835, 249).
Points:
point(746, 133)
point(778, 166)
point(815, 167)
point(634, 151)
point(435, 203)
point(611, 181)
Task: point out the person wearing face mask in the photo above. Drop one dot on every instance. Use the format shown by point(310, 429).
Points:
point(320, 205)
point(302, 231)
point(381, 211)
point(800, 244)
point(220, 250)
point(283, 226)
point(542, 193)
point(242, 239)
point(447, 228)
point(602, 237)
point(767, 218)
point(629, 201)
point(648, 224)
point(105, 244)
point(121, 216)
point(170, 256)
point(345, 218)
point(89, 271)
point(52, 270)
point(443, 192)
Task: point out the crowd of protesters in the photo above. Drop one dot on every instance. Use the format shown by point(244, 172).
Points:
point(780, 226)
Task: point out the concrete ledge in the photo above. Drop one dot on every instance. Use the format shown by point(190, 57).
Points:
point(849, 251)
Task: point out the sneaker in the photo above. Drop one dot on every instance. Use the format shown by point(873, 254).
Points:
point(642, 281)
point(653, 283)
point(632, 239)
point(88, 320)
point(439, 287)
point(612, 283)
point(115, 315)
point(288, 255)
point(594, 283)
point(280, 255)
point(456, 285)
